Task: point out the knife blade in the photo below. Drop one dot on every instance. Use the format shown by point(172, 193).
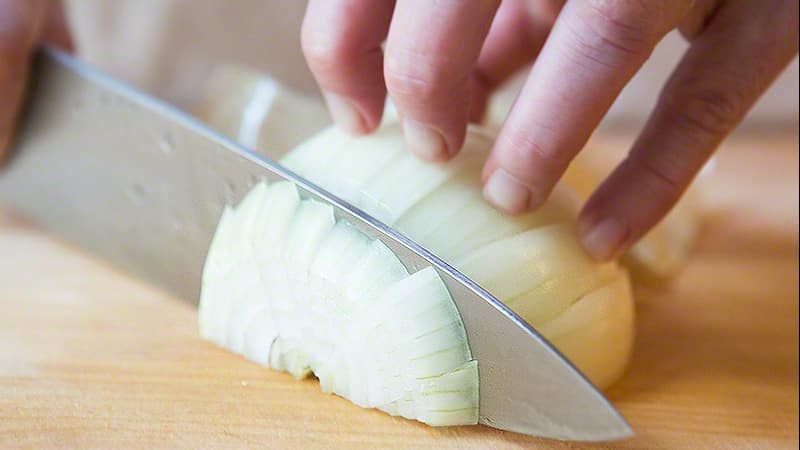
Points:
point(141, 184)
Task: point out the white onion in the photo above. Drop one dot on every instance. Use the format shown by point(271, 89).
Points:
point(532, 262)
point(290, 287)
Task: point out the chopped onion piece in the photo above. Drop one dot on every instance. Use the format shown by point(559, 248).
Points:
point(289, 287)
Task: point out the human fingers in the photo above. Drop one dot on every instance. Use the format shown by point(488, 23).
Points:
point(341, 41)
point(593, 50)
point(431, 52)
point(730, 63)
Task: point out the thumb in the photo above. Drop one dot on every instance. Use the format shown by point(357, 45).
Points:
point(21, 27)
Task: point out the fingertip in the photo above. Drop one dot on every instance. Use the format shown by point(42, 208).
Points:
point(604, 230)
point(488, 168)
point(509, 190)
point(341, 42)
point(346, 115)
point(604, 239)
point(425, 142)
point(507, 193)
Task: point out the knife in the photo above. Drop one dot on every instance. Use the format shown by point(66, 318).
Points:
point(141, 184)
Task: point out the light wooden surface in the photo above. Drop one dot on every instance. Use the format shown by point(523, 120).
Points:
point(90, 358)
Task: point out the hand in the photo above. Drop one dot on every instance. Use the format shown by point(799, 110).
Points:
point(24, 24)
point(443, 57)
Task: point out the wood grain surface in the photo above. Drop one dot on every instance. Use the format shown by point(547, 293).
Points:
point(90, 358)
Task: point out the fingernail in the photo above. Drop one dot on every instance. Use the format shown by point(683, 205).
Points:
point(603, 240)
point(424, 141)
point(344, 113)
point(506, 193)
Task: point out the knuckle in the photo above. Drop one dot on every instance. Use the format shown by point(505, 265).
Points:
point(527, 154)
point(710, 111)
point(321, 54)
point(545, 10)
point(628, 15)
point(325, 52)
point(626, 27)
point(665, 185)
point(420, 81)
point(670, 183)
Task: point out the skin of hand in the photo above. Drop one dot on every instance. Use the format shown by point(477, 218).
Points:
point(24, 25)
point(442, 58)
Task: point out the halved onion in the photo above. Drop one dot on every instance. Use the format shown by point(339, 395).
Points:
point(292, 288)
point(532, 262)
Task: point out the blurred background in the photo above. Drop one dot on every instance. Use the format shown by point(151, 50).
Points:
point(169, 48)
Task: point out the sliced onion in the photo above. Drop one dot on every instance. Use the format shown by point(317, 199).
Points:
point(533, 262)
point(292, 288)
point(288, 286)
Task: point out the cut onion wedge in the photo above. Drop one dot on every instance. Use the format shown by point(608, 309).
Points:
point(290, 287)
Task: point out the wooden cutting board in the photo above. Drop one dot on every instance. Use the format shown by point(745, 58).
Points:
point(90, 358)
